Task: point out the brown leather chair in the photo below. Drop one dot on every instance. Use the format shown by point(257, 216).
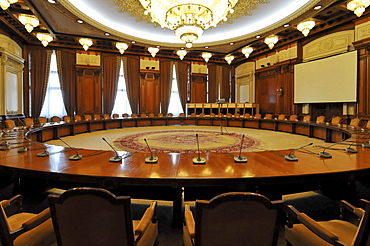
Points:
point(237, 115)
point(193, 115)
point(268, 116)
point(336, 120)
point(67, 118)
point(367, 125)
point(97, 117)
point(161, 115)
point(281, 117)
point(87, 117)
point(352, 228)
point(10, 124)
point(106, 116)
point(115, 116)
point(55, 119)
point(257, 116)
point(212, 115)
point(306, 118)
point(126, 115)
point(23, 228)
point(93, 216)
point(320, 119)
point(151, 115)
point(143, 115)
point(182, 115)
point(77, 118)
point(293, 117)
point(28, 122)
point(355, 122)
point(236, 218)
point(247, 116)
point(133, 115)
point(42, 120)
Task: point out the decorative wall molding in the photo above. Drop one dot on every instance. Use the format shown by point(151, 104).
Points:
point(362, 31)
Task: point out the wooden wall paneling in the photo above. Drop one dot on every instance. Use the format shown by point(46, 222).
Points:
point(266, 84)
point(363, 88)
point(149, 92)
point(226, 84)
point(198, 88)
point(285, 81)
point(89, 90)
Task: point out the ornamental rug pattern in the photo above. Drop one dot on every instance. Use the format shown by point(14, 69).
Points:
point(184, 141)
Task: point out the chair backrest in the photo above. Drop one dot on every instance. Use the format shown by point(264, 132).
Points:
point(355, 122)
point(193, 115)
point(97, 117)
point(132, 115)
point(115, 116)
point(320, 119)
point(367, 124)
point(106, 116)
point(55, 119)
point(238, 218)
point(363, 232)
point(91, 216)
point(306, 118)
point(281, 117)
point(87, 117)
point(161, 115)
point(67, 118)
point(10, 124)
point(336, 120)
point(28, 122)
point(293, 117)
point(268, 116)
point(151, 115)
point(143, 115)
point(182, 115)
point(77, 118)
point(42, 120)
point(247, 116)
point(126, 115)
point(257, 116)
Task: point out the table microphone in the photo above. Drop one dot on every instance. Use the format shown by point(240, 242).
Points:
point(241, 159)
point(115, 158)
point(198, 160)
point(43, 153)
point(365, 145)
point(23, 149)
point(151, 159)
point(291, 157)
point(74, 157)
point(340, 122)
point(5, 146)
point(324, 154)
point(328, 121)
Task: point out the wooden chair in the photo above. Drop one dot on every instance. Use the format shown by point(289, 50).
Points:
point(10, 124)
point(336, 120)
point(268, 116)
point(367, 125)
point(237, 115)
point(202, 115)
point(55, 119)
point(320, 119)
point(182, 115)
point(293, 117)
point(23, 228)
point(93, 216)
point(42, 120)
point(281, 117)
point(193, 115)
point(97, 117)
point(306, 118)
point(87, 117)
point(151, 115)
point(143, 115)
point(234, 218)
point(247, 116)
point(212, 115)
point(67, 118)
point(133, 115)
point(28, 122)
point(115, 116)
point(161, 115)
point(355, 122)
point(229, 115)
point(257, 116)
point(352, 228)
point(106, 116)
point(126, 115)
point(77, 118)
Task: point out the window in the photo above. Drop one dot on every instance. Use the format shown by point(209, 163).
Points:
point(53, 103)
point(175, 104)
point(121, 105)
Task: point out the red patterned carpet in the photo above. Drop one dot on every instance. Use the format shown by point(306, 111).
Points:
point(184, 141)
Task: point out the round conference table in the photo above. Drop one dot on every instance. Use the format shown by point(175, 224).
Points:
point(266, 172)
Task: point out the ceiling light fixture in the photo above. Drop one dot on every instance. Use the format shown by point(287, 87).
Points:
point(86, 43)
point(121, 47)
point(358, 6)
point(181, 53)
point(29, 21)
point(5, 4)
point(306, 26)
point(45, 38)
point(229, 59)
point(153, 51)
point(188, 19)
point(271, 41)
point(206, 56)
point(247, 50)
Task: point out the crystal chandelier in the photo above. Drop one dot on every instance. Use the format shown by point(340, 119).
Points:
point(206, 56)
point(6, 3)
point(188, 18)
point(85, 42)
point(29, 21)
point(271, 41)
point(153, 51)
point(247, 51)
point(121, 47)
point(229, 59)
point(306, 26)
point(181, 53)
point(45, 38)
point(358, 6)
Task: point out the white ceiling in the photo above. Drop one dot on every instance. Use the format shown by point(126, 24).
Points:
point(106, 16)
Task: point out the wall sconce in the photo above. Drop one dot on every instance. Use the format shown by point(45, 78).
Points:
point(85, 42)
point(121, 47)
point(6, 3)
point(358, 6)
point(45, 38)
point(280, 91)
point(206, 56)
point(29, 21)
point(271, 41)
point(229, 59)
point(153, 51)
point(247, 51)
point(181, 53)
point(306, 26)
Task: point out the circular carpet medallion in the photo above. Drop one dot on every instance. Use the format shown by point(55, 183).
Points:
point(184, 141)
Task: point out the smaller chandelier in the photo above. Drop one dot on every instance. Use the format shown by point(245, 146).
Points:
point(271, 41)
point(45, 38)
point(181, 53)
point(29, 21)
point(229, 59)
point(306, 26)
point(206, 56)
point(358, 6)
point(153, 51)
point(85, 42)
point(121, 47)
point(6, 3)
point(247, 50)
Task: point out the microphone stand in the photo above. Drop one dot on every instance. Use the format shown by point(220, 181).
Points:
point(291, 157)
point(43, 153)
point(115, 158)
point(365, 145)
point(151, 159)
point(240, 159)
point(198, 160)
point(324, 154)
point(74, 157)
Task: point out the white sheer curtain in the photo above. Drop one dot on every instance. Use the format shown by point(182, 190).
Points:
point(53, 104)
point(121, 104)
point(175, 105)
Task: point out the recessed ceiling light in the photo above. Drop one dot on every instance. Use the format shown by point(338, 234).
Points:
point(317, 7)
point(133, 42)
point(80, 21)
point(258, 36)
point(52, 1)
point(286, 25)
point(206, 47)
point(158, 46)
point(231, 43)
point(106, 34)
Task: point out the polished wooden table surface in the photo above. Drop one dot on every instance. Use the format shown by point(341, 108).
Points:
point(174, 171)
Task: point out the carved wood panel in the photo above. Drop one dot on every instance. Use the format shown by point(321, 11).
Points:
point(149, 93)
point(198, 88)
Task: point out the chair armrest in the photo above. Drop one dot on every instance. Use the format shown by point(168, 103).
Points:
point(145, 220)
point(312, 225)
point(347, 210)
point(13, 205)
point(37, 220)
point(189, 221)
